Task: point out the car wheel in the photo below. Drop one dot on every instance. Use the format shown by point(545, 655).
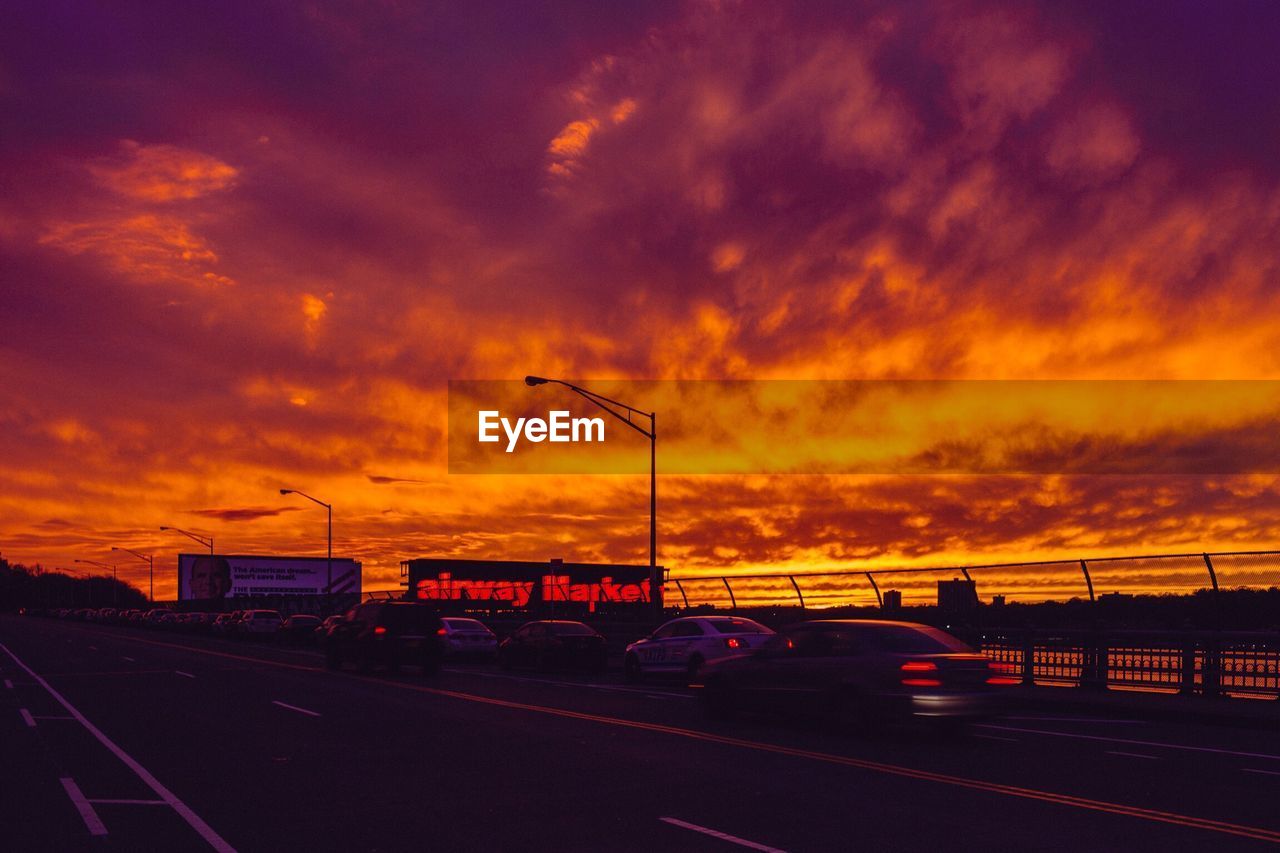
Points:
point(631, 669)
point(693, 668)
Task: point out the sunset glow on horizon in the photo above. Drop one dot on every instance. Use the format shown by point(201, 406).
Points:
point(245, 249)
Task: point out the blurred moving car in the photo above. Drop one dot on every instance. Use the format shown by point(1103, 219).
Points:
point(261, 624)
point(683, 645)
point(390, 633)
point(554, 644)
point(867, 670)
point(468, 638)
point(300, 628)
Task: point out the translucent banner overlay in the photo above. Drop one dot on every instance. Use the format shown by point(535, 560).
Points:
point(1201, 427)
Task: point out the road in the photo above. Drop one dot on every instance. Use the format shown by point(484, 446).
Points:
point(115, 738)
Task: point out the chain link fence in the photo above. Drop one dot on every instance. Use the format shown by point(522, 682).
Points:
point(1032, 582)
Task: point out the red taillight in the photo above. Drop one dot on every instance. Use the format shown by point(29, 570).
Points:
point(443, 632)
point(1002, 680)
point(914, 666)
point(379, 630)
point(735, 643)
point(919, 666)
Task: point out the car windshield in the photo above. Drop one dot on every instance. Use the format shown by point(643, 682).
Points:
point(465, 625)
point(918, 641)
point(570, 629)
point(739, 626)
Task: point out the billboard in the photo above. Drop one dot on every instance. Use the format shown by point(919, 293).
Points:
point(521, 583)
point(203, 576)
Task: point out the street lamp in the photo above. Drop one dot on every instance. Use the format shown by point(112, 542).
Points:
point(151, 564)
point(206, 541)
point(115, 581)
point(613, 407)
point(329, 507)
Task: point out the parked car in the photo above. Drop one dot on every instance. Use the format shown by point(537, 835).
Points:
point(323, 629)
point(300, 628)
point(864, 669)
point(683, 645)
point(389, 633)
point(468, 638)
point(225, 624)
point(156, 616)
point(259, 624)
point(554, 644)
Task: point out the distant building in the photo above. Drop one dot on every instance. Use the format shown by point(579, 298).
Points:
point(997, 601)
point(892, 601)
point(957, 596)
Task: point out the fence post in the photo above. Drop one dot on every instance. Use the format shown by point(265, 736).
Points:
point(1093, 673)
point(733, 602)
point(1084, 567)
point(799, 595)
point(1211, 675)
point(1213, 576)
point(1028, 659)
point(1188, 685)
point(879, 598)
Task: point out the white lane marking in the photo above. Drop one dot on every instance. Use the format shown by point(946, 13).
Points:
point(1076, 720)
point(294, 708)
point(723, 836)
point(1133, 755)
point(657, 696)
point(193, 820)
point(90, 817)
point(1263, 772)
point(1131, 742)
point(27, 718)
point(996, 737)
point(93, 648)
point(129, 659)
point(183, 674)
point(37, 717)
point(129, 802)
point(8, 685)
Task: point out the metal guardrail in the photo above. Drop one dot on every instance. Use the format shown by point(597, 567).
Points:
point(1220, 663)
point(1049, 580)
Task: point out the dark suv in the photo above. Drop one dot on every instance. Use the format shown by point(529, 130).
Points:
point(390, 633)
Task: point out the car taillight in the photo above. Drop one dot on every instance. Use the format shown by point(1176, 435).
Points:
point(735, 643)
point(919, 666)
point(911, 667)
point(379, 630)
point(443, 632)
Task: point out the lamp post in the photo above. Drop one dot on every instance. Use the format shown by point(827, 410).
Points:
point(206, 541)
point(623, 412)
point(115, 582)
point(150, 560)
point(328, 589)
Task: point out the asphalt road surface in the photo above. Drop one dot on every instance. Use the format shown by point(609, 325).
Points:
point(116, 738)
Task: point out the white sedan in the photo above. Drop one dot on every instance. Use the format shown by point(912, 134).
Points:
point(683, 645)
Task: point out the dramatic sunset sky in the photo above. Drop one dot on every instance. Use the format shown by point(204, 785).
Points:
point(245, 246)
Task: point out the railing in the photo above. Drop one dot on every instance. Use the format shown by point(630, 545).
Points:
point(1219, 663)
point(1051, 580)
